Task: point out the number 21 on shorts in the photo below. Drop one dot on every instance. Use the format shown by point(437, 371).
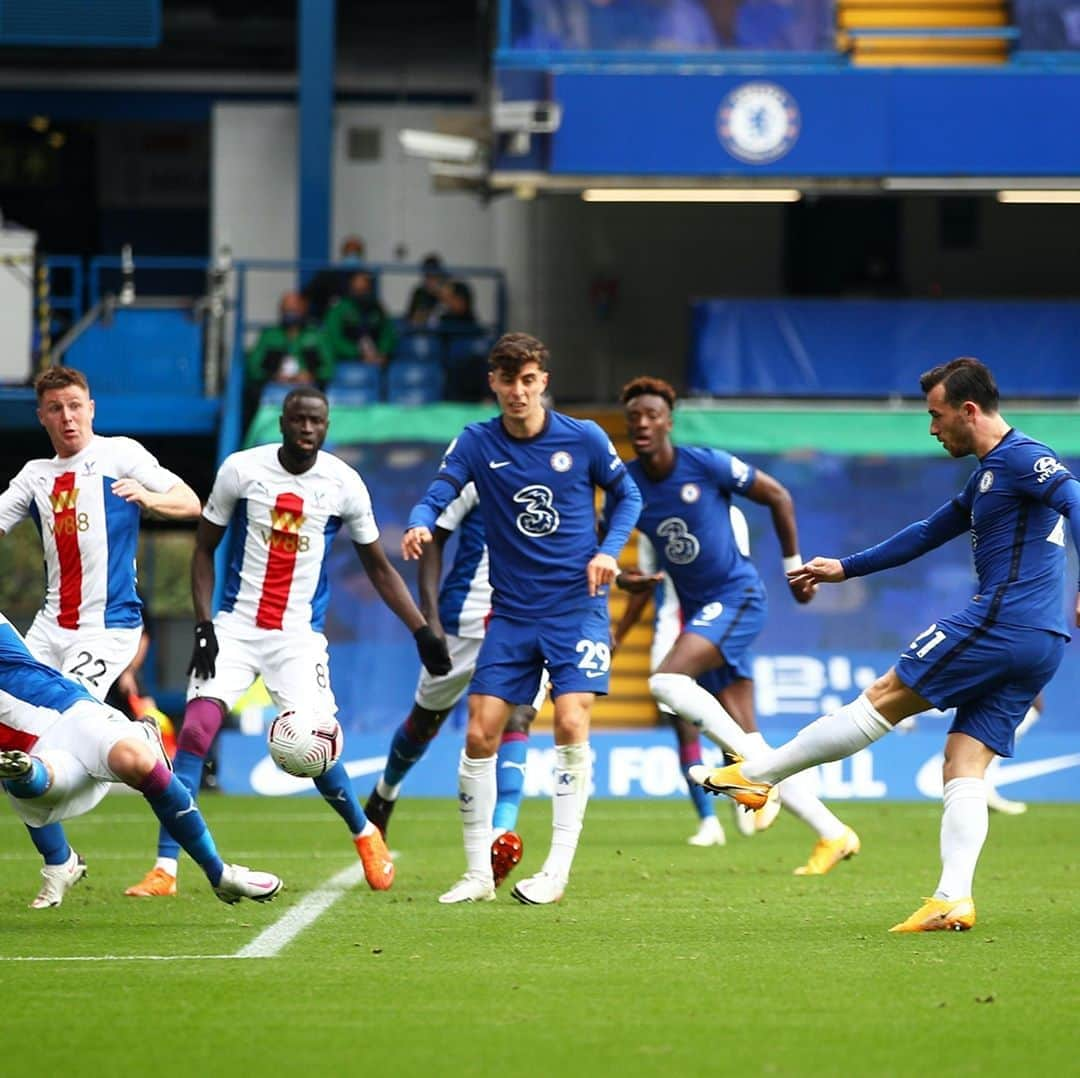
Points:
point(926, 641)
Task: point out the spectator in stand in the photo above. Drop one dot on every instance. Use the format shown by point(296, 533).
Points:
point(293, 352)
point(329, 285)
point(358, 326)
point(464, 348)
point(426, 301)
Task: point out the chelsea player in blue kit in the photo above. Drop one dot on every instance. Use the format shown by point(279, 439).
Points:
point(535, 472)
point(989, 660)
point(686, 517)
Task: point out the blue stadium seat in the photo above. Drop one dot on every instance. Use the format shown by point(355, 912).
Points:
point(467, 344)
point(351, 396)
point(351, 374)
point(273, 395)
point(413, 381)
point(419, 344)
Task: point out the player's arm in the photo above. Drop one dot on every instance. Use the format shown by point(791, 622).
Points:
point(770, 492)
point(429, 577)
point(951, 520)
point(15, 502)
point(392, 590)
point(152, 488)
point(204, 653)
point(1063, 495)
point(454, 474)
point(622, 507)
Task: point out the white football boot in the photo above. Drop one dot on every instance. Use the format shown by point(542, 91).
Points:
point(709, 833)
point(238, 882)
point(59, 879)
point(470, 889)
point(540, 890)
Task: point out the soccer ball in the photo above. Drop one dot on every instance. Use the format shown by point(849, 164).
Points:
point(305, 745)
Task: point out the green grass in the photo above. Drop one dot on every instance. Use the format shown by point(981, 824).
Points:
point(662, 959)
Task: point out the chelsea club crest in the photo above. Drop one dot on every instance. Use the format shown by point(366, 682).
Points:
point(758, 122)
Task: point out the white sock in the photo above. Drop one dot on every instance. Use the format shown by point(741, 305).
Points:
point(573, 777)
point(168, 864)
point(683, 695)
point(476, 801)
point(832, 737)
point(369, 827)
point(386, 791)
point(964, 823)
point(798, 797)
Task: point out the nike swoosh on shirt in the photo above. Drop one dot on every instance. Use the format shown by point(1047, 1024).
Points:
point(498, 463)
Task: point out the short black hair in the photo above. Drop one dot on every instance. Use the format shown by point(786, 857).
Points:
point(513, 350)
point(646, 385)
point(965, 379)
point(304, 391)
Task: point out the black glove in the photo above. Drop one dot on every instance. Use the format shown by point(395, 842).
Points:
point(205, 653)
point(432, 649)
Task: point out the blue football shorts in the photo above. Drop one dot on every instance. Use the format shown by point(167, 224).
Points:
point(731, 624)
point(574, 646)
point(989, 672)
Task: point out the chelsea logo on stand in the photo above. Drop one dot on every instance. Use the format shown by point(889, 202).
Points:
point(758, 122)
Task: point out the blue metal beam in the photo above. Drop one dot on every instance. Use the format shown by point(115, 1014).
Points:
point(315, 64)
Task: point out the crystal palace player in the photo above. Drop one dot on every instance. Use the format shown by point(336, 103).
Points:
point(687, 492)
point(458, 610)
point(64, 749)
point(286, 504)
point(989, 660)
point(536, 472)
point(85, 502)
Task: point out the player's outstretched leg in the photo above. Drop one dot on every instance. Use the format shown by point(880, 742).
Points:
point(407, 747)
point(476, 803)
point(26, 777)
point(175, 807)
point(337, 790)
point(832, 737)
point(573, 778)
point(507, 848)
point(203, 717)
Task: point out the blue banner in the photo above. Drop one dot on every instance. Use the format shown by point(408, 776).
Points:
point(795, 348)
point(832, 122)
point(646, 765)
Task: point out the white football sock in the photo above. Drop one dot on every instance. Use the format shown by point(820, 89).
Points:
point(168, 864)
point(798, 797)
point(832, 737)
point(573, 778)
point(964, 824)
point(683, 695)
point(476, 802)
point(386, 791)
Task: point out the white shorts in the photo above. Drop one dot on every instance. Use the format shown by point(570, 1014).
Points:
point(295, 666)
point(94, 658)
point(76, 750)
point(441, 693)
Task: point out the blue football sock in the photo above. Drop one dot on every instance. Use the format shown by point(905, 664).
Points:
point(337, 790)
point(51, 843)
point(175, 807)
point(510, 782)
point(689, 755)
point(406, 748)
point(187, 767)
point(33, 784)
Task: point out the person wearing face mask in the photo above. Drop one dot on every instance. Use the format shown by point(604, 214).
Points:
point(358, 327)
point(293, 352)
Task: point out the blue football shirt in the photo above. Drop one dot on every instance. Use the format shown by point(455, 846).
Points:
point(537, 503)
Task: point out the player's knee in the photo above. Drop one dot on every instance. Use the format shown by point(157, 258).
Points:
point(666, 688)
point(521, 718)
point(480, 744)
point(131, 761)
point(424, 724)
point(202, 720)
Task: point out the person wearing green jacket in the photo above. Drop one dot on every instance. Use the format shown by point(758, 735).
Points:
point(292, 352)
point(358, 326)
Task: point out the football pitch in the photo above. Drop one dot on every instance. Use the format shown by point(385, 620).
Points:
point(662, 958)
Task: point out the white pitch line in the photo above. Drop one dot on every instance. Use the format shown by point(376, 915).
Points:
point(271, 940)
point(118, 958)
